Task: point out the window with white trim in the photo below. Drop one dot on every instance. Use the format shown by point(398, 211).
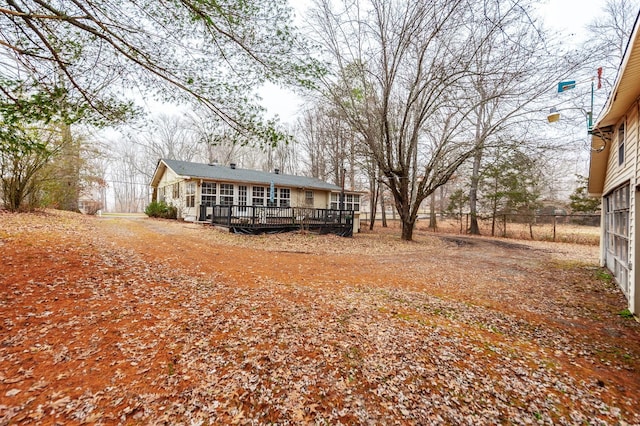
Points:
point(335, 201)
point(226, 194)
point(190, 194)
point(285, 197)
point(272, 201)
point(621, 144)
point(258, 196)
point(208, 194)
point(242, 198)
point(616, 206)
point(308, 198)
point(351, 201)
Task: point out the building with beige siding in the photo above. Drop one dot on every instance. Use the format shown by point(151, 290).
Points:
point(201, 191)
point(614, 174)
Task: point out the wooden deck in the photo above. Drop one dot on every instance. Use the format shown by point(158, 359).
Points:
point(258, 219)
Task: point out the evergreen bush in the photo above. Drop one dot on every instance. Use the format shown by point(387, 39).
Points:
point(162, 210)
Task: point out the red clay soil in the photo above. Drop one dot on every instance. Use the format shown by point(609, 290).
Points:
point(141, 321)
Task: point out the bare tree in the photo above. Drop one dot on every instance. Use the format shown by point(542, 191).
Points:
point(330, 144)
point(613, 27)
point(312, 142)
point(403, 71)
point(213, 137)
point(129, 185)
point(168, 136)
point(512, 69)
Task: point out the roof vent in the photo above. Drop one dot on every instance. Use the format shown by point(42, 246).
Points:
point(276, 171)
point(232, 165)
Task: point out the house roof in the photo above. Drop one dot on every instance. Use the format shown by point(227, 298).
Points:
point(626, 91)
point(190, 170)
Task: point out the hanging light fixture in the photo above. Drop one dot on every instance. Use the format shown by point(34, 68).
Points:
point(553, 116)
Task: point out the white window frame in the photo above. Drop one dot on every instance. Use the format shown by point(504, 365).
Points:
point(616, 206)
point(208, 194)
point(284, 197)
point(242, 197)
point(308, 198)
point(258, 196)
point(190, 194)
point(226, 194)
point(621, 144)
point(351, 201)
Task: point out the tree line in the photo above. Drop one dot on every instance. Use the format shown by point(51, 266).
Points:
point(411, 102)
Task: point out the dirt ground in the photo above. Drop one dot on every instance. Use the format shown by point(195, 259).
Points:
point(141, 321)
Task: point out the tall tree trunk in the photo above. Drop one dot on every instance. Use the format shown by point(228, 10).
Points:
point(374, 187)
point(383, 208)
point(474, 229)
point(70, 171)
point(433, 223)
point(408, 216)
point(407, 229)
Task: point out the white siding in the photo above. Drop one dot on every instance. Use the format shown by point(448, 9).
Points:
point(616, 176)
point(633, 124)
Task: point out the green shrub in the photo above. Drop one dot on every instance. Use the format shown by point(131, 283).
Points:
point(161, 209)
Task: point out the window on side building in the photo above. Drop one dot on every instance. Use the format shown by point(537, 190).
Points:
point(621, 144)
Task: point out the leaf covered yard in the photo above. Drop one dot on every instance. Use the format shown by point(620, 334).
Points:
point(140, 321)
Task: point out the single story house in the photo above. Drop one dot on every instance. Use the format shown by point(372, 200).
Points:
point(614, 174)
point(199, 191)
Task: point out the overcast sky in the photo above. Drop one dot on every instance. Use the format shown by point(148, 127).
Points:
point(567, 16)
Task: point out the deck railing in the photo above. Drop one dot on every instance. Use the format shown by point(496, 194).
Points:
point(273, 219)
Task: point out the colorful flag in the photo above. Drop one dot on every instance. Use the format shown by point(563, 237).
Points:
point(566, 85)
